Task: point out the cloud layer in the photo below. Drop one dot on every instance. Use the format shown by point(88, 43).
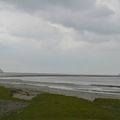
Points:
point(72, 36)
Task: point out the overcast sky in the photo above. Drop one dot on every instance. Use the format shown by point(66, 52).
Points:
point(66, 36)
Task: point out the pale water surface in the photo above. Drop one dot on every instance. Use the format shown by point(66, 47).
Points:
point(98, 84)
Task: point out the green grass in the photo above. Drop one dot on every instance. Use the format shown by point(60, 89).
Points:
point(5, 93)
point(110, 105)
point(59, 107)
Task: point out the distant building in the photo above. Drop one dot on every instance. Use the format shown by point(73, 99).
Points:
point(1, 71)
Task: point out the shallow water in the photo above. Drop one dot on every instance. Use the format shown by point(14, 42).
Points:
point(97, 84)
point(75, 80)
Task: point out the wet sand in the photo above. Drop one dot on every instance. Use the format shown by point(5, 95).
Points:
point(88, 95)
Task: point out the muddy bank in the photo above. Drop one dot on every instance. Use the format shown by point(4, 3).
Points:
point(24, 94)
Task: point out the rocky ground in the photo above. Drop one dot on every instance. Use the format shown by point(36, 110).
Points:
point(7, 106)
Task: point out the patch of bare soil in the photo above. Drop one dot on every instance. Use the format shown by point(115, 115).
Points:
point(7, 106)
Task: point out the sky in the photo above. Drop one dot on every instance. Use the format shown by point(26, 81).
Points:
point(60, 36)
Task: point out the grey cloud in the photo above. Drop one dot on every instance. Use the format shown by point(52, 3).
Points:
point(102, 11)
point(99, 20)
point(38, 4)
point(96, 38)
point(81, 15)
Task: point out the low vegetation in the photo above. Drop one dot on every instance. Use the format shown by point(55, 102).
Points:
point(58, 107)
point(5, 93)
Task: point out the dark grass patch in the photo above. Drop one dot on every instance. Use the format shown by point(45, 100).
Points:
point(111, 105)
point(5, 93)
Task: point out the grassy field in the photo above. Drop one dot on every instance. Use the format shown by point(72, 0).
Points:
point(59, 107)
point(5, 93)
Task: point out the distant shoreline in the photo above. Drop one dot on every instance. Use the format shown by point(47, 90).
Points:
point(8, 74)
